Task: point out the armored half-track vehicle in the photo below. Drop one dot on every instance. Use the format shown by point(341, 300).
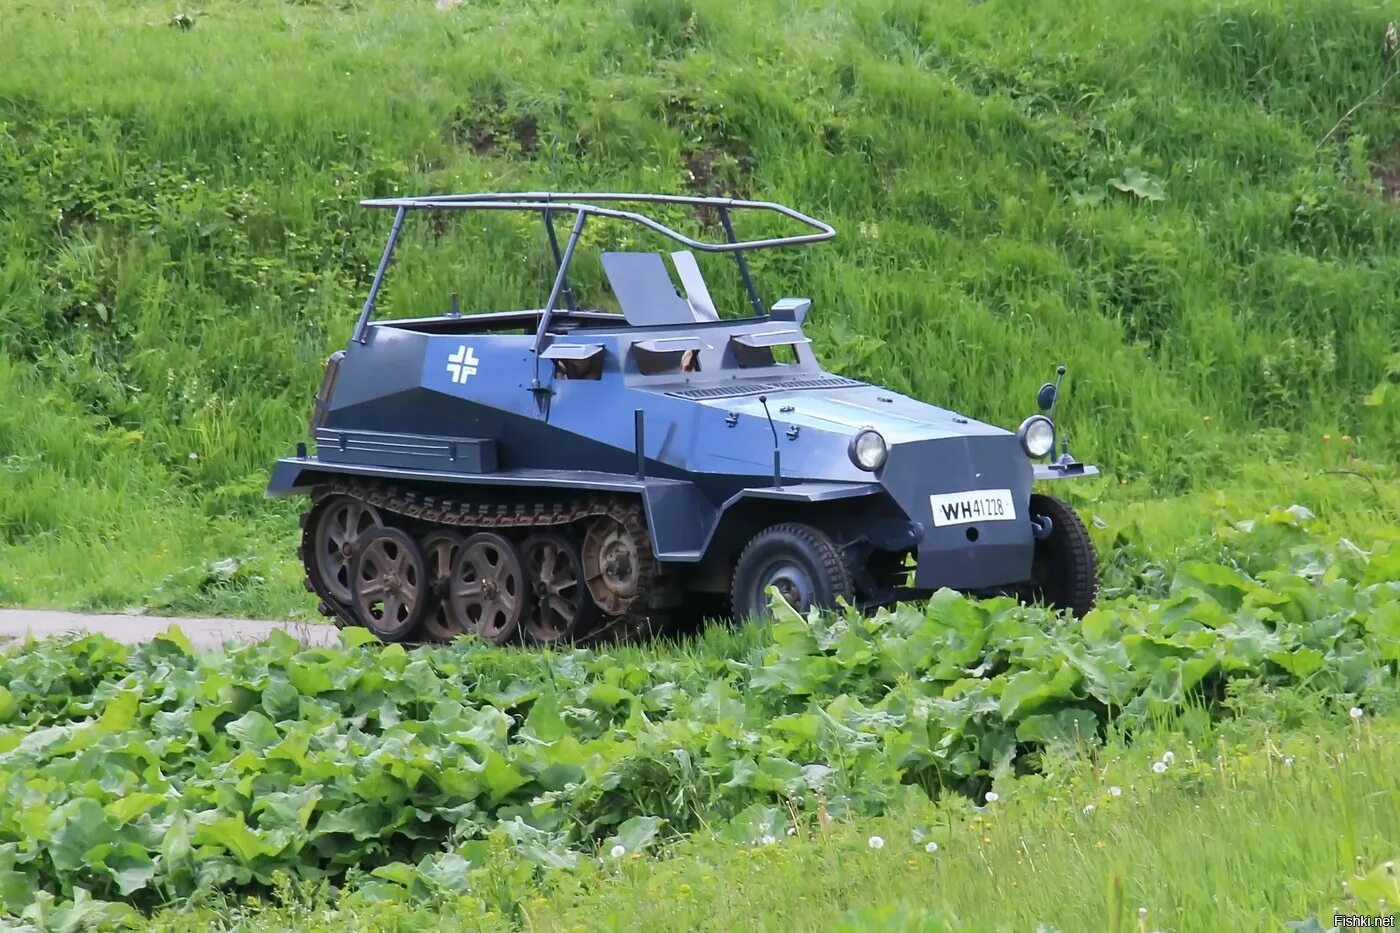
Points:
point(565, 473)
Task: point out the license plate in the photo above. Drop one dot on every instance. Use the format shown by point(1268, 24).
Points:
point(979, 505)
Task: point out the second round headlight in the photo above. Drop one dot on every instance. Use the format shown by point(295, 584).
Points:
point(1037, 434)
point(868, 450)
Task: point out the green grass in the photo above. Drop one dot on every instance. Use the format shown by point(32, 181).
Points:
point(1250, 827)
point(182, 245)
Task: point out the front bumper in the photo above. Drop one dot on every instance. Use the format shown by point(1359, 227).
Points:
point(989, 476)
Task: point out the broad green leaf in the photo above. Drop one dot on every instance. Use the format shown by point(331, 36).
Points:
point(635, 834)
point(1069, 728)
point(125, 809)
point(606, 696)
point(16, 891)
point(234, 836)
point(363, 821)
point(80, 825)
point(356, 637)
point(175, 637)
point(1030, 690)
point(310, 679)
point(544, 722)
point(1300, 662)
point(281, 701)
point(254, 729)
point(1136, 181)
point(1226, 586)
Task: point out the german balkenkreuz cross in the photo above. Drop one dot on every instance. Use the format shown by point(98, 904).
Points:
point(462, 365)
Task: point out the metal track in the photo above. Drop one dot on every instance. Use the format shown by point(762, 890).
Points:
point(421, 513)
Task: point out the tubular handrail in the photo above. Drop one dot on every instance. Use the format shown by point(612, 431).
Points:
point(590, 203)
point(584, 205)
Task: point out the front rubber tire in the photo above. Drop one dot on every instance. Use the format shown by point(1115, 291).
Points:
point(802, 561)
point(1065, 569)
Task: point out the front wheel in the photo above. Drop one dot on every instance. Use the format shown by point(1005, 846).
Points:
point(802, 562)
point(1065, 569)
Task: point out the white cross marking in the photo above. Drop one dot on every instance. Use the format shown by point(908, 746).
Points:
point(462, 364)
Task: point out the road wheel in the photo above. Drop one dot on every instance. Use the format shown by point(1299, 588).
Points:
point(1065, 569)
point(389, 584)
point(440, 551)
point(488, 590)
point(801, 561)
point(332, 535)
point(616, 564)
point(560, 605)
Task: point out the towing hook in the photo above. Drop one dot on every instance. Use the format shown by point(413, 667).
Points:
point(1041, 526)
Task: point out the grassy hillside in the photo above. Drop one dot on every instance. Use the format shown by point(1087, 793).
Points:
point(1190, 203)
point(1173, 200)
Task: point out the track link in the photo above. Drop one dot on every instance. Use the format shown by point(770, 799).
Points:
point(420, 513)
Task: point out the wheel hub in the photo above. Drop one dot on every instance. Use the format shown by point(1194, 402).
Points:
point(792, 584)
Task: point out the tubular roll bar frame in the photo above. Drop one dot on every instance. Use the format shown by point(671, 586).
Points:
point(583, 206)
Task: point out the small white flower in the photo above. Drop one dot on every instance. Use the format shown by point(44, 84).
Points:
point(931, 848)
point(1115, 791)
point(992, 796)
point(1356, 712)
point(1159, 767)
point(618, 851)
point(876, 842)
point(1088, 808)
point(769, 840)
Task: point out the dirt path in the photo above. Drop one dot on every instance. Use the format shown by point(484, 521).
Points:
point(16, 624)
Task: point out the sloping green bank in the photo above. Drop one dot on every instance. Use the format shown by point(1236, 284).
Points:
point(1163, 198)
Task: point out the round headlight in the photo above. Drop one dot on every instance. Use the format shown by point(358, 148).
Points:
point(868, 450)
point(1037, 435)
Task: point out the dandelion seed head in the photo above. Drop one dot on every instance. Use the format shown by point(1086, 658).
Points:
point(1159, 767)
point(931, 848)
point(792, 830)
point(992, 796)
point(1356, 712)
point(876, 842)
point(618, 851)
point(1169, 756)
point(1142, 913)
point(1115, 791)
point(769, 840)
point(1088, 808)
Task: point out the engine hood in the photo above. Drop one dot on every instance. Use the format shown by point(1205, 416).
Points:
point(898, 418)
